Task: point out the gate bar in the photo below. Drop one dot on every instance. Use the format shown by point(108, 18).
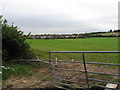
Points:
point(85, 62)
point(84, 51)
point(51, 67)
point(83, 57)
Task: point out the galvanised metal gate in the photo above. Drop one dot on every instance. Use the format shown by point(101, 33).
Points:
point(66, 75)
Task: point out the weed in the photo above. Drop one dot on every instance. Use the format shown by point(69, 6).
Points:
point(17, 70)
point(46, 78)
point(9, 85)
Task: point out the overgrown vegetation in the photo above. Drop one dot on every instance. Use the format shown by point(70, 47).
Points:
point(16, 69)
point(14, 45)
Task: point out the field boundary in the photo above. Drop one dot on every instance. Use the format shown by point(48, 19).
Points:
point(31, 60)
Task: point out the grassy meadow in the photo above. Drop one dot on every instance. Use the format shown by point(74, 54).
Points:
point(41, 47)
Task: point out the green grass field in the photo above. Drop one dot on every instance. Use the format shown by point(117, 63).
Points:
point(41, 47)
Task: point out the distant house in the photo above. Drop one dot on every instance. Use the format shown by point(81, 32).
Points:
point(32, 37)
point(56, 36)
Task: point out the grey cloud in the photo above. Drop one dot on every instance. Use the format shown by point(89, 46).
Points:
point(58, 23)
point(45, 21)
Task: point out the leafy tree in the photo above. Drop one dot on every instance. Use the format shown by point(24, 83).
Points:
point(14, 43)
point(110, 30)
point(87, 35)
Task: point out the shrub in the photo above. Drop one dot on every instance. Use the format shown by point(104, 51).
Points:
point(14, 45)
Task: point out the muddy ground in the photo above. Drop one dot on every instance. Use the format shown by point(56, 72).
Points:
point(42, 77)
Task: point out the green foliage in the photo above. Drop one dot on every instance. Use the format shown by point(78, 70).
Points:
point(10, 85)
point(46, 78)
point(14, 42)
point(87, 35)
point(16, 69)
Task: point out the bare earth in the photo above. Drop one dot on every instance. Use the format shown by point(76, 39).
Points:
point(37, 80)
point(42, 76)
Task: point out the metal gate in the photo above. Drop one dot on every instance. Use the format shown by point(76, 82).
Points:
point(69, 74)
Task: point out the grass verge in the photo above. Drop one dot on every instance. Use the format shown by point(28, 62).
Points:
point(15, 69)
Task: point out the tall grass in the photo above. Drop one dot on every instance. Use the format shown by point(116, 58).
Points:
point(15, 69)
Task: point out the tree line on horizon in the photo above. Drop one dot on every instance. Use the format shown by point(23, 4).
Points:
point(110, 33)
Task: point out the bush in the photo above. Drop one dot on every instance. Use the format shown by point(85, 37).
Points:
point(14, 45)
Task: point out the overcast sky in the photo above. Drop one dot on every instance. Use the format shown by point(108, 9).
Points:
point(61, 16)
